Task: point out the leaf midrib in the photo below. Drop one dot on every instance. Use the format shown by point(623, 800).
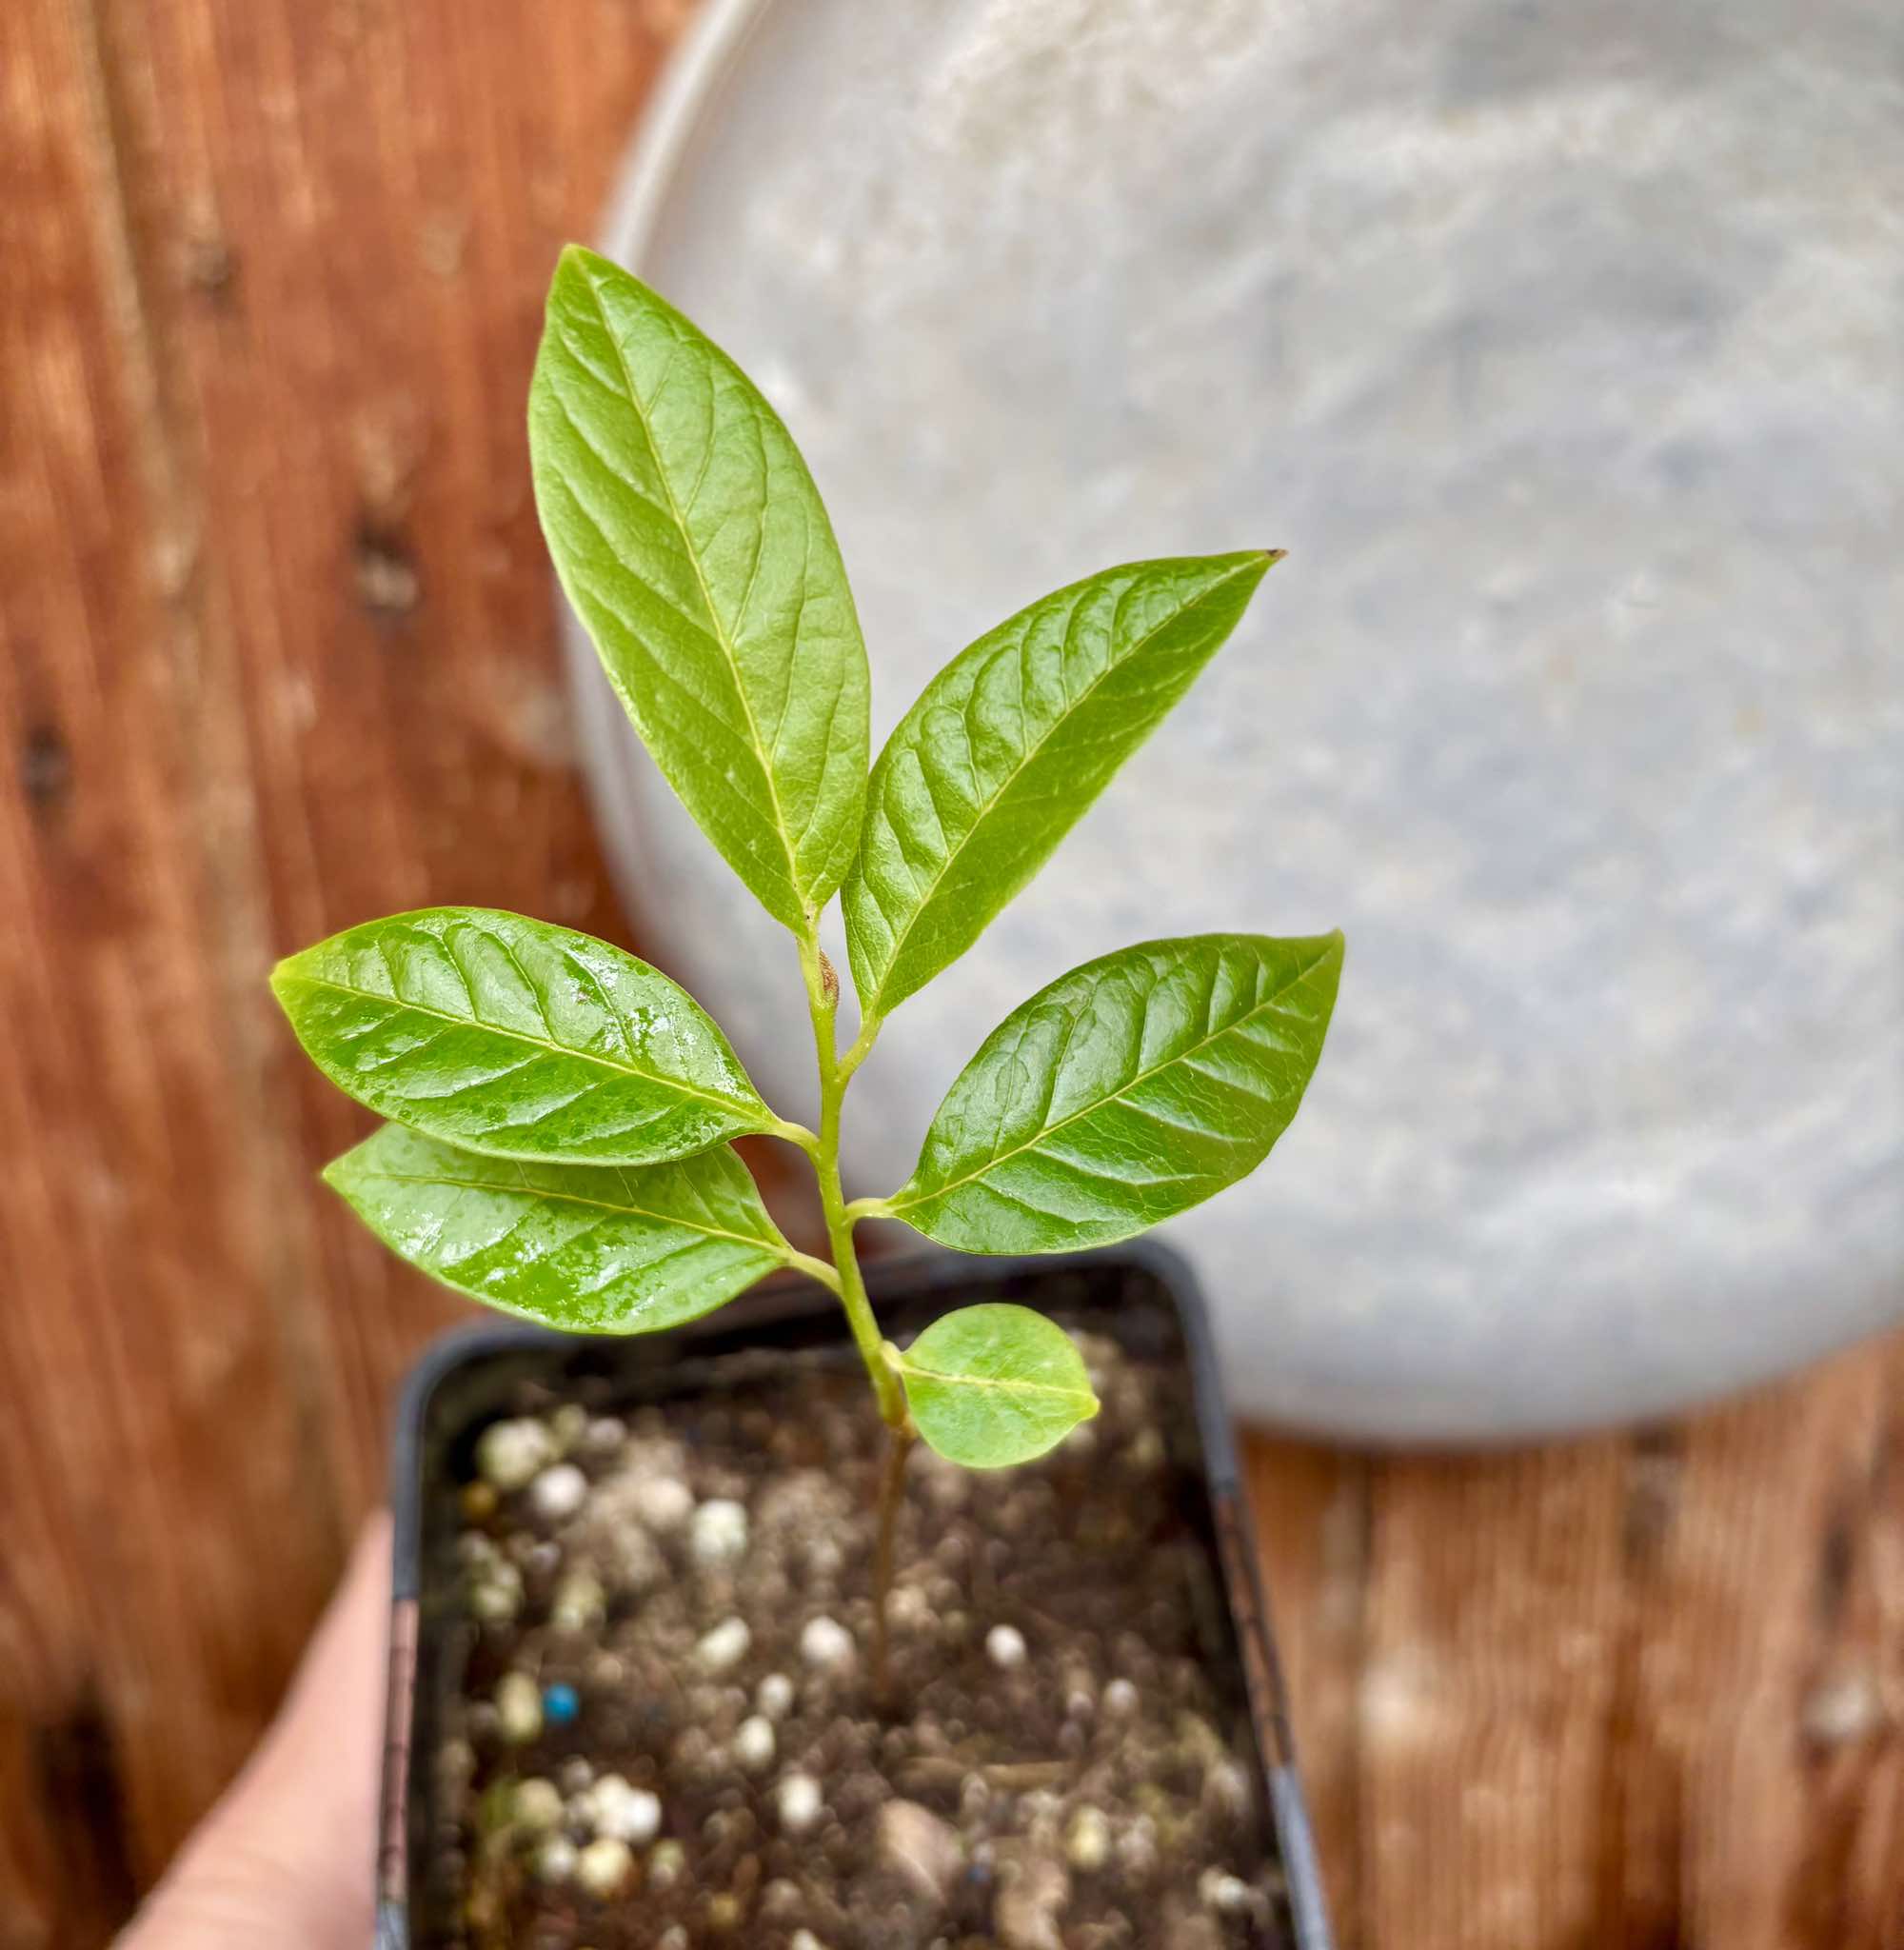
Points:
point(522, 1036)
point(928, 1374)
point(720, 629)
point(1018, 772)
point(479, 1184)
point(898, 1203)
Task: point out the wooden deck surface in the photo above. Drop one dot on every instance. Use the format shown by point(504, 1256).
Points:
point(278, 655)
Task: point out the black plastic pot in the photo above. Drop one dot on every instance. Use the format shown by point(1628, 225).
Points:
point(1144, 1296)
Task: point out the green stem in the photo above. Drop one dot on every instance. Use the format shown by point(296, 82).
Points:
point(823, 1002)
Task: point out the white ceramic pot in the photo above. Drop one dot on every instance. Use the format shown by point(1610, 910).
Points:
point(1561, 348)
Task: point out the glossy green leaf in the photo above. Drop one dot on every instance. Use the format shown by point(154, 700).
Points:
point(994, 1384)
point(1009, 744)
point(692, 542)
point(518, 1039)
point(1129, 1090)
point(592, 1248)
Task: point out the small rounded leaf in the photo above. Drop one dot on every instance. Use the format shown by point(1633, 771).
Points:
point(995, 1384)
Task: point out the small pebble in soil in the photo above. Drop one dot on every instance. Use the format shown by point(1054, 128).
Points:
point(804, 1939)
point(666, 1865)
point(575, 1776)
point(723, 1912)
point(673, 1938)
point(561, 1704)
point(623, 1813)
point(496, 1594)
point(555, 1860)
point(579, 1602)
point(662, 1503)
point(799, 1801)
point(1137, 1850)
point(754, 1744)
point(909, 1608)
point(725, 1647)
point(1030, 1903)
point(604, 1435)
point(826, 1644)
point(537, 1805)
point(518, 1708)
point(479, 1502)
point(718, 1532)
point(475, 1550)
point(558, 1492)
point(1004, 1646)
point(1120, 1699)
point(1226, 1791)
point(568, 1426)
point(1088, 1841)
point(775, 1696)
point(1228, 1894)
point(508, 1454)
point(923, 1849)
point(604, 1867)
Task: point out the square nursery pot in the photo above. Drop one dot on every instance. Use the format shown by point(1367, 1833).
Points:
point(1086, 1740)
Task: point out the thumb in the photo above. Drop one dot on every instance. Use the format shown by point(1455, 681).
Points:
point(287, 1857)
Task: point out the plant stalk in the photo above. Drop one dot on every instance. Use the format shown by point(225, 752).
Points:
point(900, 1440)
point(822, 1002)
point(823, 999)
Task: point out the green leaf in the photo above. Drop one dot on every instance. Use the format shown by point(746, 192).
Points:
point(692, 542)
point(1009, 744)
point(992, 1386)
point(517, 1039)
point(1128, 1092)
point(592, 1248)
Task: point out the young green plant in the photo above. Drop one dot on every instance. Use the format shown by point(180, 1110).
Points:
point(561, 1115)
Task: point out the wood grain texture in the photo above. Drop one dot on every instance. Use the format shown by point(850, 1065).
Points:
point(1639, 1691)
point(278, 654)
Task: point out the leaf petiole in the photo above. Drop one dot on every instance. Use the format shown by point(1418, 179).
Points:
point(822, 1270)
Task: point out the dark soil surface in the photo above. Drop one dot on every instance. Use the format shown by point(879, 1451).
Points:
point(668, 1737)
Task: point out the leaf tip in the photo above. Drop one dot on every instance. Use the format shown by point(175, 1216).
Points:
point(577, 259)
point(281, 978)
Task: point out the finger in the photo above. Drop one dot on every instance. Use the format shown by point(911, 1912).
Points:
point(285, 1857)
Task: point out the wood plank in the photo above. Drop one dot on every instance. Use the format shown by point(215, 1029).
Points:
point(1639, 1691)
point(278, 654)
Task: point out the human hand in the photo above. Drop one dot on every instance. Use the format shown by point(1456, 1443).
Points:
point(285, 1858)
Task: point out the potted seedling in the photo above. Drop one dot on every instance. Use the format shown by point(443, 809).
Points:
point(723, 1644)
